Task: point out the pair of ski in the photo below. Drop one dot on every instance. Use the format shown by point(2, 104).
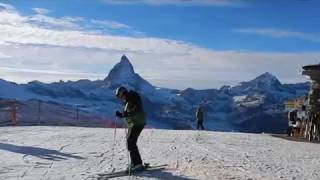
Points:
point(122, 173)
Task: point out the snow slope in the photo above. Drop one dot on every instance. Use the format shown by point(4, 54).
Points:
point(81, 153)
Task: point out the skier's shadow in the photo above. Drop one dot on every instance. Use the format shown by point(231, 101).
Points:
point(42, 153)
point(162, 174)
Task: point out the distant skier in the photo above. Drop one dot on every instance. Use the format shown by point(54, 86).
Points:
point(134, 114)
point(200, 115)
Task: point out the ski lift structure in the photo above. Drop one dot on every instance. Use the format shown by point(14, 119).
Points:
point(313, 72)
point(312, 127)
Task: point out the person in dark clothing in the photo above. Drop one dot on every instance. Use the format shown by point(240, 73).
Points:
point(135, 118)
point(292, 117)
point(199, 115)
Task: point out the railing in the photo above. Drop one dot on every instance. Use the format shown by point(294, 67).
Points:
point(37, 112)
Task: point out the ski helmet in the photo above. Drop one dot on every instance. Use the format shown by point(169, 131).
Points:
point(120, 90)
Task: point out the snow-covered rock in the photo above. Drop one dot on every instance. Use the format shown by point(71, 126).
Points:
point(264, 82)
point(249, 101)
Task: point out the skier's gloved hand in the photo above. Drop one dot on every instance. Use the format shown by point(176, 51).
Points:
point(119, 114)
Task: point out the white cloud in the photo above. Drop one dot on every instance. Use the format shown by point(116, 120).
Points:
point(280, 33)
point(198, 69)
point(9, 15)
point(76, 53)
point(28, 75)
point(111, 24)
point(50, 72)
point(73, 19)
point(42, 11)
point(6, 7)
point(2, 55)
point(50, 22)
point(217, 68)
point(30, 34)
point(42, 19)
point(181, 2)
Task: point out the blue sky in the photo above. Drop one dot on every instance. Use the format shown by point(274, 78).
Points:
point(225, 36)
point(208, 26)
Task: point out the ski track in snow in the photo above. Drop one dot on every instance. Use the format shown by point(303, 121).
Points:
point(81, 153)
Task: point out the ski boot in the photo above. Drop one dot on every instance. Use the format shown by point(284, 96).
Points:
point(135, 168)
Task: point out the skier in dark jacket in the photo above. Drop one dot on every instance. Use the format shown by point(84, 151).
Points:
point(199, 115)
point(135, 118)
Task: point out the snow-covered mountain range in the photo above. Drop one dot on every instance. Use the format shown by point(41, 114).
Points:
point(252, 106)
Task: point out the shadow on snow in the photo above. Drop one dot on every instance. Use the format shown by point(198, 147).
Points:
point(42, 153)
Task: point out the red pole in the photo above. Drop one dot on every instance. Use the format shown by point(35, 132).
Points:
point(14, 113)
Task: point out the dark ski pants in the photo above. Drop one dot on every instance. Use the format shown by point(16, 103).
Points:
point(133, 134)
point(200, 124)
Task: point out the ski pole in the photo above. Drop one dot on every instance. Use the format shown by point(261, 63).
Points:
point(114, 143)
point(128, 156)
point(126, 139)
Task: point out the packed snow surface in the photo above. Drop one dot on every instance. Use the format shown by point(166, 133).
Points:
point(82, 153)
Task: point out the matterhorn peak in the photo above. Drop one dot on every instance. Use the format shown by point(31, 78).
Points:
point(124, 65)
point(124, 59)
point(122, 72)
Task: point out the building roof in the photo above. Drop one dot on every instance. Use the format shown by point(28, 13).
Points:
point(313, 71)
point(311, 67)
